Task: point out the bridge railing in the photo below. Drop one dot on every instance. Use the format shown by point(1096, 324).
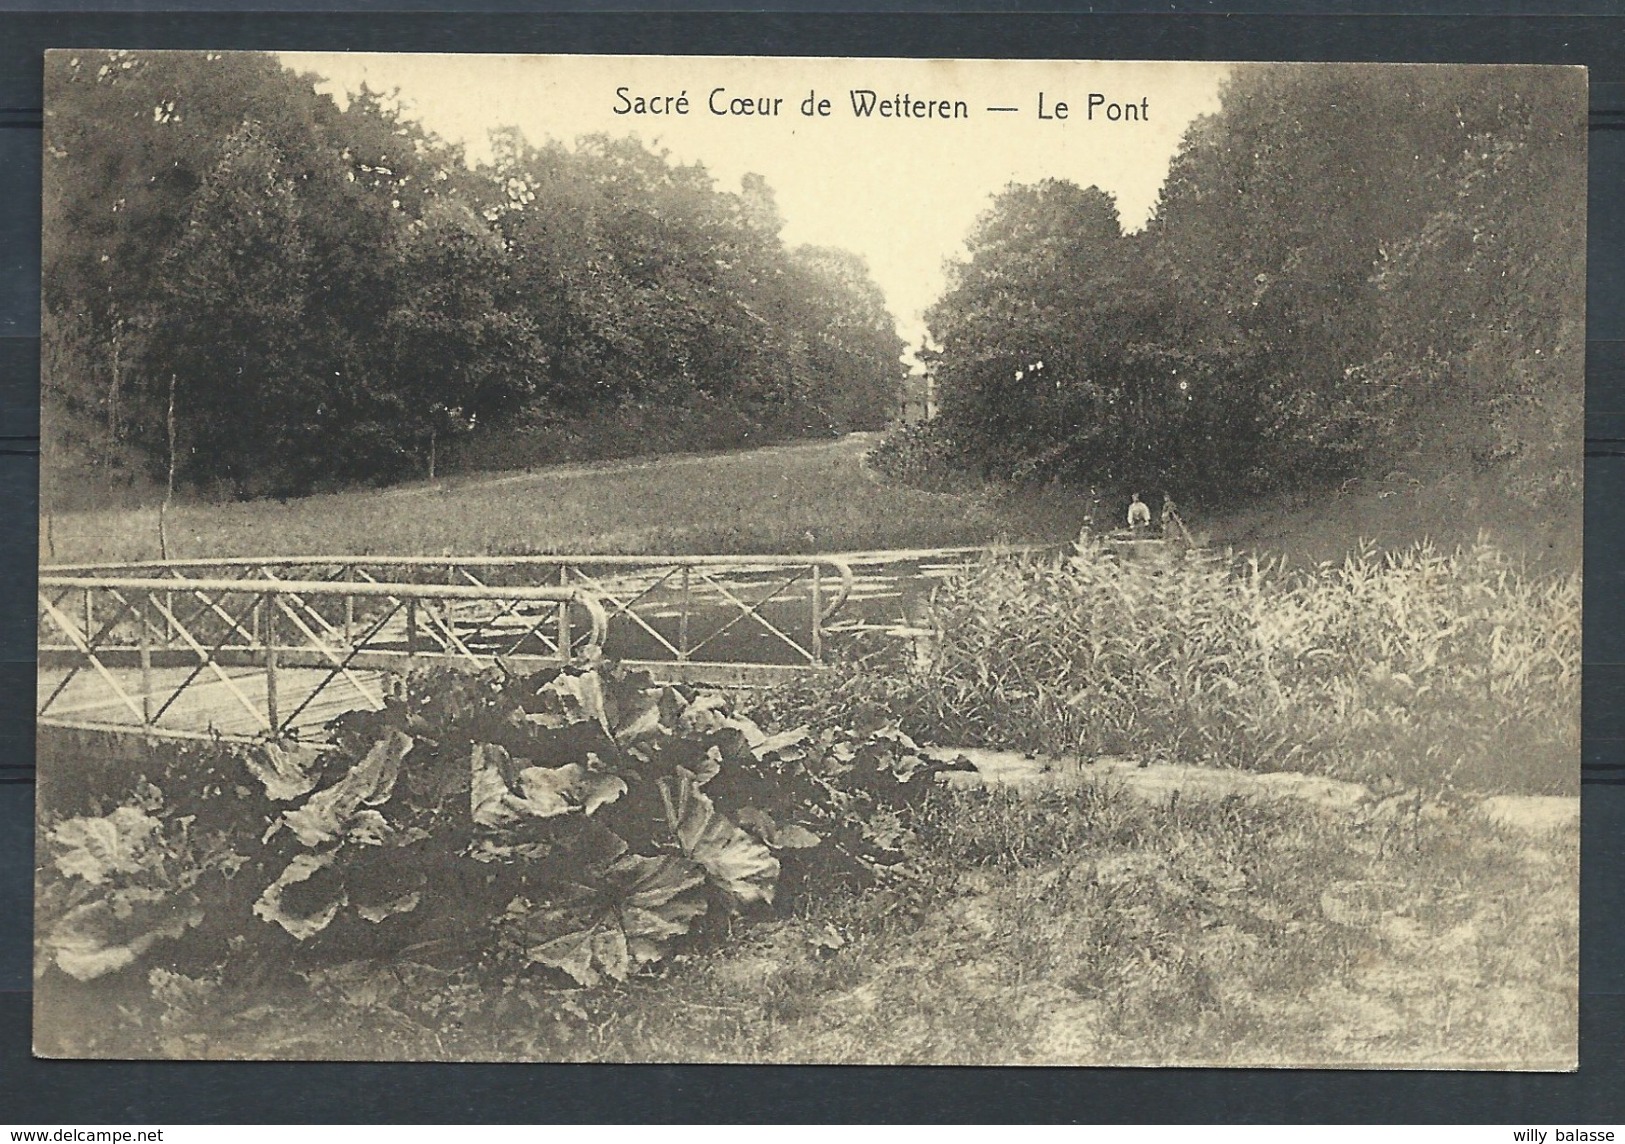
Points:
point(151, 645)
point(712, 617)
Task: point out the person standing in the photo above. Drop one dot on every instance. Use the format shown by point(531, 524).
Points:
point(1139, 513)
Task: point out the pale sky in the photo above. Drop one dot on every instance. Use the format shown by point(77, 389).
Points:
point(902, 192)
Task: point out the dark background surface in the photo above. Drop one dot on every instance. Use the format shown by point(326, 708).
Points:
point(50, 1093)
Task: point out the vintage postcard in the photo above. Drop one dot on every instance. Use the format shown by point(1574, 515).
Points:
point(570, 558)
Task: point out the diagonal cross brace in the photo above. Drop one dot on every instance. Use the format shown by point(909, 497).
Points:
point(625, 607)
point(753, 612)
point(71, 630)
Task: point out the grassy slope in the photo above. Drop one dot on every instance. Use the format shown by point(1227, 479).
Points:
point(1450, 514)
point(1092, 929)
point(805, 498)
point(782, 499)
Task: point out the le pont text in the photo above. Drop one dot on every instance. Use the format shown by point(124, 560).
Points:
point(866, 103)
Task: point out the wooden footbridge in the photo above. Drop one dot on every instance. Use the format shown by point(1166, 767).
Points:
point(267, 648)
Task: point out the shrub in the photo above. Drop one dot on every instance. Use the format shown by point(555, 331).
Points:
point(921, 456)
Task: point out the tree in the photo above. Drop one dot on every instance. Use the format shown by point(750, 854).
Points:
point(853, 347)
point(1349, 269)
point(230, 322)
point(459, 355)
point(1033, 329)
point(330, 292)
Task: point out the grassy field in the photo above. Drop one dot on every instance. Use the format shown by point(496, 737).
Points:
point(785, 499)
point(1081, 926)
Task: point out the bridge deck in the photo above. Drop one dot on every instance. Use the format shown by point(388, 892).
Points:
point(715, 625)
point(208, 704)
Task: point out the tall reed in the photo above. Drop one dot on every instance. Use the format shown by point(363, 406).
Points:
point(1429, 668)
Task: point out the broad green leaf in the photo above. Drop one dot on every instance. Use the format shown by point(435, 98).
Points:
point(545, 791)
point(653, 886)
point(611, 952)
point(787, 837)
point(705, 768)
point(404, 904)
point(600, 790)
point(606, 931)
point(488, 793)
point(368, 828)
point(749, 728)
point(905, 766)
point(735, 862)
point(572, 950)
point(96, 849)
point(642, 713)
point(793, 837)
point(382, 878)
point(105, 935)
point(706, 715)
point(286, 772)
point(326, 815)
point(772, 744)
point(305, 926)
point(644, 724)
point(894, 736)
point(571, 698)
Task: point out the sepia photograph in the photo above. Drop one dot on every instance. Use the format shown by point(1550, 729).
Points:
point(809, 560)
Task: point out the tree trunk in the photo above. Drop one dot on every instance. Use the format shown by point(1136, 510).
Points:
point(169, 429)
point(169, 487)
point(112, 408)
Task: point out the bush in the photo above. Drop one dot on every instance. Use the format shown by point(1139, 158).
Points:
point(921, 456)
point(1433, 670)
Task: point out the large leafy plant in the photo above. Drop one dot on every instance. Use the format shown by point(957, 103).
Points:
point(122, 890)
point(580, 820)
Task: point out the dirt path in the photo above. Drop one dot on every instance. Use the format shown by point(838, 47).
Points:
point(852, 442)
point(1158, 782)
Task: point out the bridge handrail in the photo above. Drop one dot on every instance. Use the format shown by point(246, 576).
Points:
point(837, 564)
point(341, 589)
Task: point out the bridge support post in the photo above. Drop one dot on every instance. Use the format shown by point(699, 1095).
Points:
point(817, 625)
point(349, 610)
point(682, 623)
point(144, 623)
point(271, 706)
point(566, 638)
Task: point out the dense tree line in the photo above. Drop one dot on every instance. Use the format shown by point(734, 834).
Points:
point(1350, 270)
point(269, 293)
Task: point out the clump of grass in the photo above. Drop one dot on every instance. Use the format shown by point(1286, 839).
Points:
point(1429, 669)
